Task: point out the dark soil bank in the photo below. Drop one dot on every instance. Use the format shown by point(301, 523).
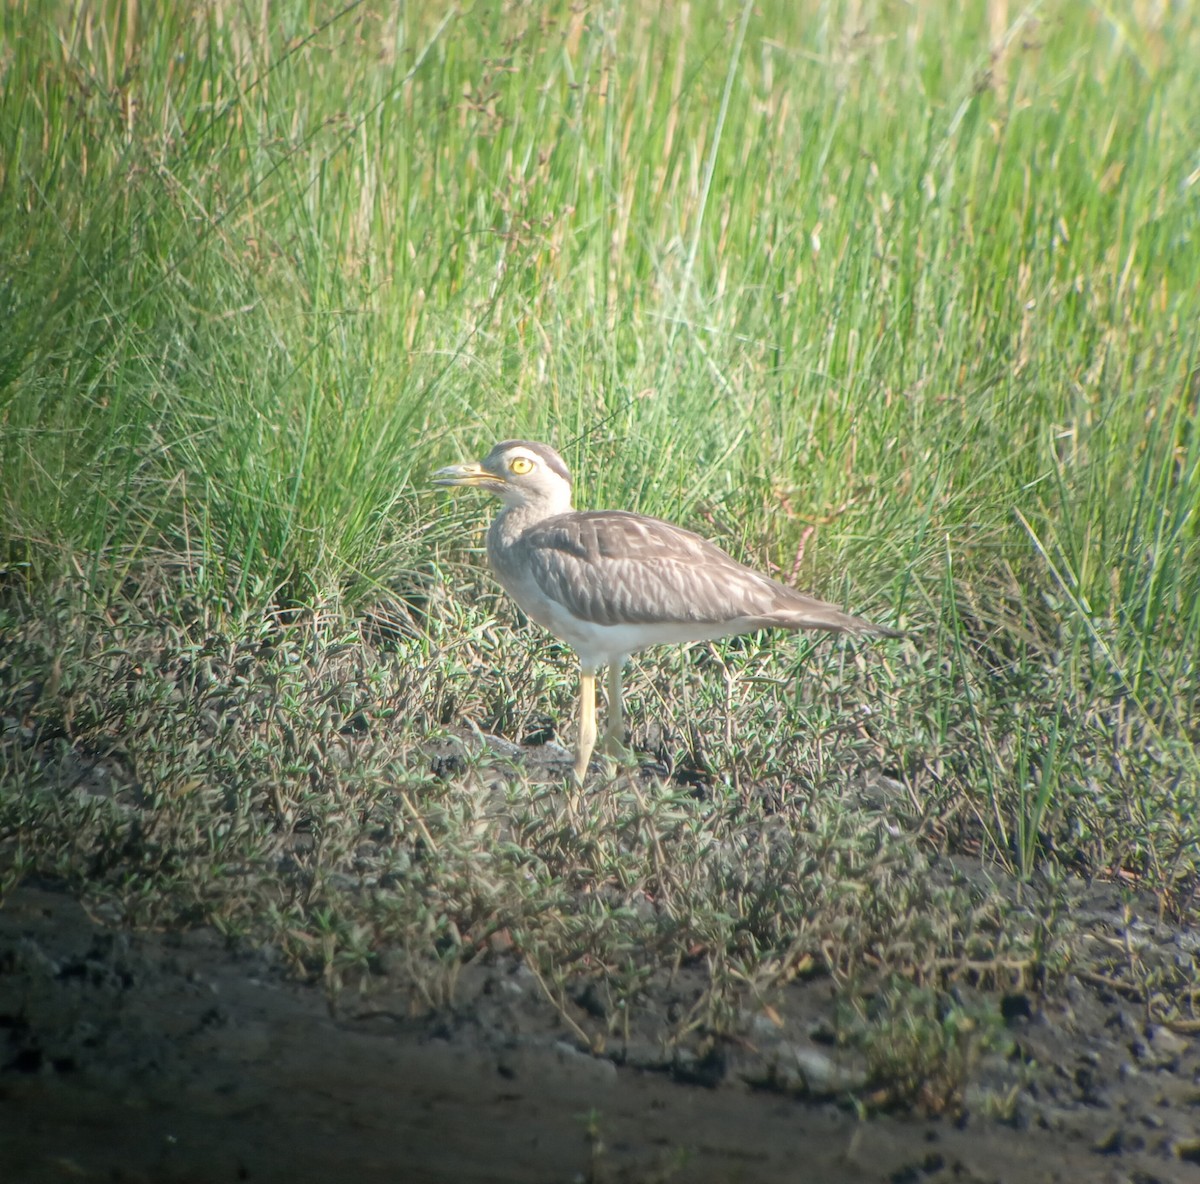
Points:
point(135, 1057)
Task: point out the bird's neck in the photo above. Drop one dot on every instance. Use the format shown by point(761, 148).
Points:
point(513, 521)
point(506, 530)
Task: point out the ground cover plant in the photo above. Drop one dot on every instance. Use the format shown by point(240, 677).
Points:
point(899, 302)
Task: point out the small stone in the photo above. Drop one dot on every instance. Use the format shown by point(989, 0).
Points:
point(1111, 1142)
point(708, 1070)
point(1159, 1048)
point(1167, 1043)
point(1187, 1149)
point(764, 1028)
point(802, 1069)
point(1016, 1006)
point(1143, 1053)
point(824, 1074)
point(591, 999)
point(599, 1069)
point(498, 744)
point(1089, 1088)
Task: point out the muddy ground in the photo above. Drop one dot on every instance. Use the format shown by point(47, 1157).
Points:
point(170, 1057)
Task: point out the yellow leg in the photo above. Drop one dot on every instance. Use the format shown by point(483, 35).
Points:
point(587, 723)
point(614, 733)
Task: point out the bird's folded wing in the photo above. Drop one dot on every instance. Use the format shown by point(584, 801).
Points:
point(610, 567)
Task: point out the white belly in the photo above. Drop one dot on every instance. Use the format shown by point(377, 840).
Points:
point(601, 645)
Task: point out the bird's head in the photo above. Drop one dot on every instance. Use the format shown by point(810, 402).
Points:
point(519, 473)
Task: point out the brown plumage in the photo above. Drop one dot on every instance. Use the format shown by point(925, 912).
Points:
point(610, 583)
point(611, 567)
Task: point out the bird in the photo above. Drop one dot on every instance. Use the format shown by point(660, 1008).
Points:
point(611, 583)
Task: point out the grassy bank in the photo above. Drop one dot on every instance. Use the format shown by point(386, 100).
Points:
point(899, 301)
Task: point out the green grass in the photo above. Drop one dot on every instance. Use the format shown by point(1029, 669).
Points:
point(884, 297)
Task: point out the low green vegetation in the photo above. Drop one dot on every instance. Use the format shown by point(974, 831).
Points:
point(901, 302)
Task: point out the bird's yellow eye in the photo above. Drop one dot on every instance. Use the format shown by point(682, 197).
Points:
point(520, 465)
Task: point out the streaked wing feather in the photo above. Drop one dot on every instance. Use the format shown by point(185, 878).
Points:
point(611, 567)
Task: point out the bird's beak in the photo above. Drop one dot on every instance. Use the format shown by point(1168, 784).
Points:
point(469, 474)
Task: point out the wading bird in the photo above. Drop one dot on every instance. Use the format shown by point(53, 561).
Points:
point(610, 583)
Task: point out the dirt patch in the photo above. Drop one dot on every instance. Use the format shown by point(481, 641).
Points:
point(170, 1057)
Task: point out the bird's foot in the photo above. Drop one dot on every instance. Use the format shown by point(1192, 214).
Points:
point(612, 750)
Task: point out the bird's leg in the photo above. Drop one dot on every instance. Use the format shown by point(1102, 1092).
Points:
point(613, 743)
point(587, 723)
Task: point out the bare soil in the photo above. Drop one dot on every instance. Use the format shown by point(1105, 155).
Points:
point(171, 1057)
